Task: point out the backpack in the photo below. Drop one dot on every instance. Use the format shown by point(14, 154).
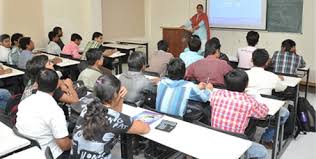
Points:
point(12, 107)
point(289, 125)
point(306, 116)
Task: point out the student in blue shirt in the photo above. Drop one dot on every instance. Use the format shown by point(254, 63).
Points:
point(174, 92)
point(190, 56)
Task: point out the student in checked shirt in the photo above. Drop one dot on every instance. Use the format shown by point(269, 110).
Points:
point(232, 109)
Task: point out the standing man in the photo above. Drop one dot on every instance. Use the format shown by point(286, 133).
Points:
point(199, 25)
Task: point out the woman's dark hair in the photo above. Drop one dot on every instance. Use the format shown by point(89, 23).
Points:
point(252, 38)
point(93, 55)
point(194, 43)
point(176, 69)
point(260, 57)
point(3, 37)
point(288, 44)
point(106, 87)
point(95, 123)
point(47, 80)
point(200, 5)
point(136, 61)
point(52, 35)
point(15, 38)
point(75, 37)
point(24, 42)
point(236, 80)
point(211, 46)
point(34, 66)
point(96, 35)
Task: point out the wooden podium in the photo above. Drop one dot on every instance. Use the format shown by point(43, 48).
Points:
point(175, 36)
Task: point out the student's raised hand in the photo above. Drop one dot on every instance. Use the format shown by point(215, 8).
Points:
point(202, 85)
point(68, 82)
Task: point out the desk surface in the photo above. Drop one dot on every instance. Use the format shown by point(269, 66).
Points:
point(31, 153)
point(9, 142)
point(147, 76)
point(14, 72)
point(117, 54)
point(306, 68)
point(65, 62)
point(195, 140)
point(121, 46)
point(291, 81)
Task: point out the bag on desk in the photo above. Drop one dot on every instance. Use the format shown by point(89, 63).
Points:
point(306, 116)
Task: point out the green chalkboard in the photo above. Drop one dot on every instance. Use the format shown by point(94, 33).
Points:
point(285, 16)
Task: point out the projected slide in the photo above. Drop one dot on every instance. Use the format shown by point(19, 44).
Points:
point(248, 14)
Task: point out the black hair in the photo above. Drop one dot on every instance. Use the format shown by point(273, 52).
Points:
point(194, 43)
point(15, 38)
point(106, 87)
point(75, 37)
point(211, 46)
point(288, 44)
point(163, 45)
point(176, 69)
point(3, 37)
point(93, 55)
point(34, 66)
point(260, 57)
point(57, 29)
point(199, 5)
point(52, 35)
point(23, 42)
point(236, 80)
point(95, 124)
point(252, 38)
point(96, 35)
point(136, 61)
point(47, 80)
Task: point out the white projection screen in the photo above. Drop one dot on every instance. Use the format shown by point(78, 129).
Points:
point(240, 14)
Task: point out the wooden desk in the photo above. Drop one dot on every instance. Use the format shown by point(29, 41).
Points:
point(31, 153)
point(14, 72)
point(194, 140)
point(9, 142)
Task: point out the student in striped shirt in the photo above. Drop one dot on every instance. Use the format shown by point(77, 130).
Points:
point(174, 92)
point(287, 61)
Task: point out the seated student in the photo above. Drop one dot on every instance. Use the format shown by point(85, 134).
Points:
point(65, 91)
point(232, 109)
point(96, 42)
point(59, 31)
point(134, 79)
point(53, 47)
point(95, 69)
point(244, 55)
point(27, 47)
point(210, 69)
point(222, 56)
point(264, 82)
point(5, 46)
point(190, 56)
point(287, 61)
point(40, 118)
point(101, 121)
point(174, 92)
point(16, 50)
point(159, 60)
point(4, 97)
point(73, 47)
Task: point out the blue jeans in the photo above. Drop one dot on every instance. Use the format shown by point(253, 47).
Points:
point(268, 135)
point(257, 151)
point(4, 97)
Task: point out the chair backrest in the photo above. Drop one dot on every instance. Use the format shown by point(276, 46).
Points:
point(155, 74)
point(48, 153)
point(33, 142)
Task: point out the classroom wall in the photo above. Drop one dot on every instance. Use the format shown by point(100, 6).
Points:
point(123, 18)
point(36, 18)
point(174, 13)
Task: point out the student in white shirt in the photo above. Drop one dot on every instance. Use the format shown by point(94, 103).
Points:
point(263, 82)
point(40, 118)
point(5, 45)
point(53, 47)
point(244, 55)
